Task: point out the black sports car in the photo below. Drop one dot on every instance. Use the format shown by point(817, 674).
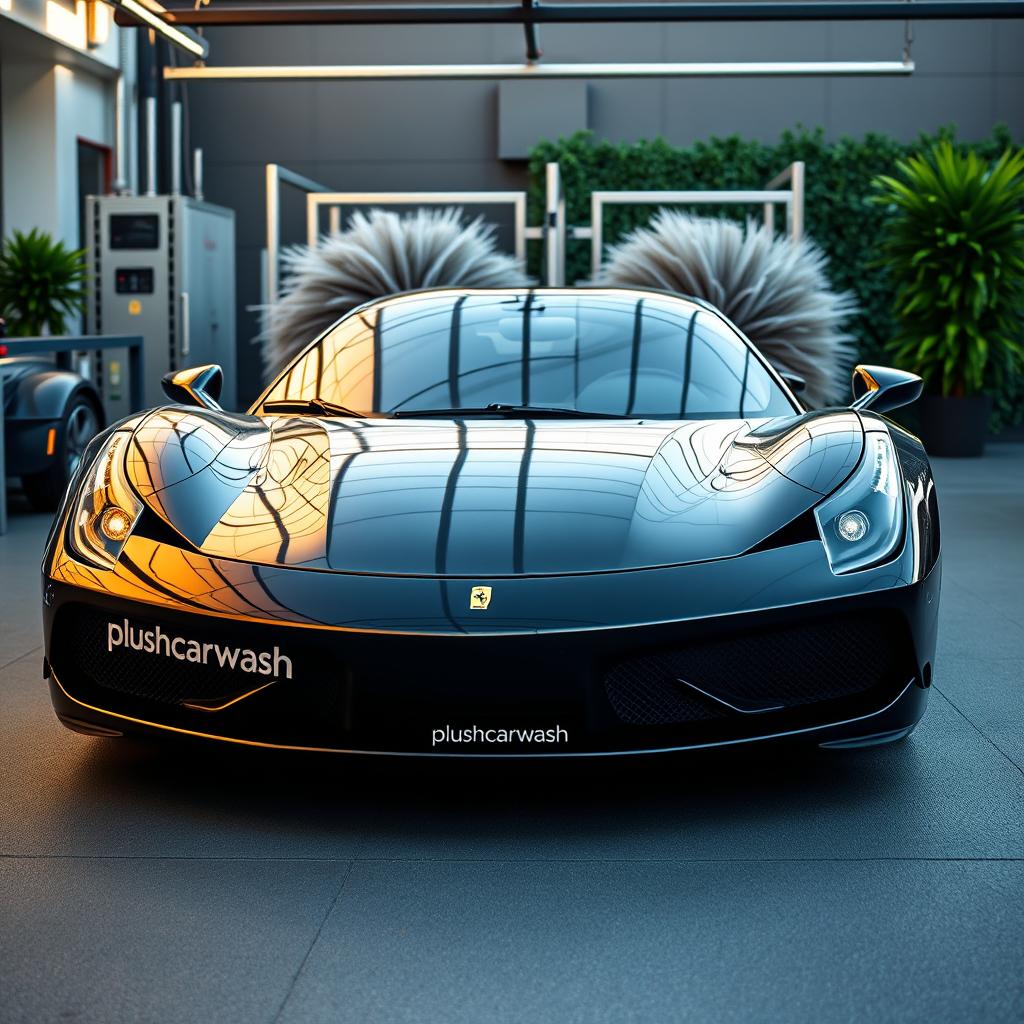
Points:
point(503, 522)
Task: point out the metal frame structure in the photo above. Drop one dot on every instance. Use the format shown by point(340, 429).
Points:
point(319, 196)
point(553, 232)
point(795, 174)
point(554, 229)
point(336, 201)
point(275, 177)
point(768, 197)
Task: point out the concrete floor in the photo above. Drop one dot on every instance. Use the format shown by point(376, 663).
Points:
point(142, 883)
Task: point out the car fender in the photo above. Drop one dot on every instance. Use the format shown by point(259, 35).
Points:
point(44, 395)
point(36, 403)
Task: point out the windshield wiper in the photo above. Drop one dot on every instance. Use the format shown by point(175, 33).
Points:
point(503, 409)
point(319, 405)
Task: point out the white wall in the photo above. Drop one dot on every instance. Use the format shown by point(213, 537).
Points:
point(84, 109)
point(28, 92)
point(54, 90)
point(55, 20)
point(45, 109)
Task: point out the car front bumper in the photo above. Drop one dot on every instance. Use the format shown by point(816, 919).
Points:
point(831, 668)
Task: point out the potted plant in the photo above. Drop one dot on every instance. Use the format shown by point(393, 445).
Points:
point(954, 246)
point(41, 284)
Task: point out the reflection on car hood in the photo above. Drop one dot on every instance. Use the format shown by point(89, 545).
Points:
point(483, 497)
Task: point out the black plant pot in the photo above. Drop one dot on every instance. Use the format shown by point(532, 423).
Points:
point(954, 427)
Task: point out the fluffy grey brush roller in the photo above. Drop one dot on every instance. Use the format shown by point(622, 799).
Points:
point(775, 290)
point(379, 254)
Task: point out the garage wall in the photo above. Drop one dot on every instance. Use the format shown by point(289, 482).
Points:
point(28, 102)
point(54, 89)
point(394, 135)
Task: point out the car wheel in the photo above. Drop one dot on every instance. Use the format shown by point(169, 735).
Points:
point(78, 427)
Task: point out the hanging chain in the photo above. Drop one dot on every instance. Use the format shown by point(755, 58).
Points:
point(908, 37)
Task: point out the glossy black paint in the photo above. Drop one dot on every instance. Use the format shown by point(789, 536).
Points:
point(882, 389)
point(367, 693)
point(356, 545)
point(507, 498)
point(200, 386)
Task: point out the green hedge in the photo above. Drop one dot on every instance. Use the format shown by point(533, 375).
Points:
point(838, 213)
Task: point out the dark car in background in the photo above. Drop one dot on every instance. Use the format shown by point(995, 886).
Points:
point(50, 416)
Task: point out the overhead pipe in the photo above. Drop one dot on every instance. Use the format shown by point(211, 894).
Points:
point(121, 185)
point(226, 12)
point(151, 177)
point(147, 110)
point(197, 172)
point(176, 155)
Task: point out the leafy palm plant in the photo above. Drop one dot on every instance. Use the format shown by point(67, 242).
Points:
point(955, 248)
point(41, 283)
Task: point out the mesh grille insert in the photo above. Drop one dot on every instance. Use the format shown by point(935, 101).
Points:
point(791, 665)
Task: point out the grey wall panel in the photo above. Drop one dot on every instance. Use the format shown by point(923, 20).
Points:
point(255, 122)
point(1009, 47)
point(427, 174)
point(800, 40)
point(405, 121)
point(1008, 104)
point(392, 135)
point(241, 186)
point(598, 42)
point(698, 107)
point(625, 111)
point(407, 44)
point(940, 47)
point(906, 107)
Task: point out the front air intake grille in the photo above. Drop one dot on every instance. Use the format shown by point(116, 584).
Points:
point(151, 675)
point(787, 666)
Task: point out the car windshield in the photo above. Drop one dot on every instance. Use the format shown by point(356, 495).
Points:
point(628, 354)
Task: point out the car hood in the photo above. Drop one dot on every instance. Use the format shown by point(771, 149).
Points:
point(483, 497)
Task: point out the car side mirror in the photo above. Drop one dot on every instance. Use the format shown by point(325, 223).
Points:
point(881, 388)
point(198, 385)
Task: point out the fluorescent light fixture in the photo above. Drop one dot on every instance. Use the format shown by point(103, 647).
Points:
point(97, 23)
point(463, 71)
point(65, 25)
point(184, 38)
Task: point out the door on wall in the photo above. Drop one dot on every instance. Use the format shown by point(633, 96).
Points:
point(94, 177)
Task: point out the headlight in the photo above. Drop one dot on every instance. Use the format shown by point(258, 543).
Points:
point(106, 509)
point(862, 522)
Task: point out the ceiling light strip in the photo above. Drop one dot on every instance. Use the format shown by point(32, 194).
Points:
point(184, 38)
point(466, 71)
